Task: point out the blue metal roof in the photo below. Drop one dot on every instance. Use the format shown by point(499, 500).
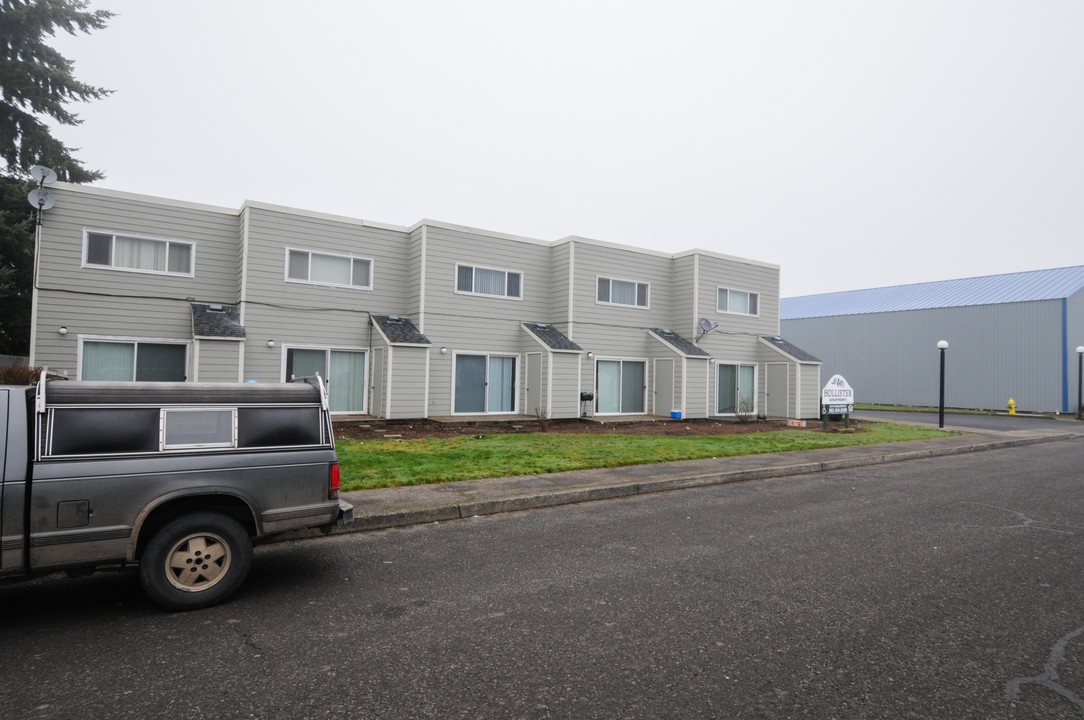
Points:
point(988, 290)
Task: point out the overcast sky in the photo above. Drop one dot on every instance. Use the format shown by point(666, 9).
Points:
point(854, 143)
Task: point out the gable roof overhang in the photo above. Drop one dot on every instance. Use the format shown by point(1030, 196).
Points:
point(214, 321)
point(550, 337)
point(789, 350)
point(678, 344)
point(397, 330)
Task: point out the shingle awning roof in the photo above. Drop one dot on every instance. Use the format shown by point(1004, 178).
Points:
point(789, 348)
point(678, 343)
point(211, 320)
point(551, 337)
point(399, 330)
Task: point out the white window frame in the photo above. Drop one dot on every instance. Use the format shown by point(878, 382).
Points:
point(647, 384)
point(133, 341)
point(756, 386)
point(721, 289)
point(517, 380)
point(327, 350)
point(87, 232)
point(637, 283)
point(345, 256)
point(473, 267)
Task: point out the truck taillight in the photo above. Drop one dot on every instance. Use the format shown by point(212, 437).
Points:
point(333, 482)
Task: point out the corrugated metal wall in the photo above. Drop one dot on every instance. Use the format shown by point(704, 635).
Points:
point(995, 352)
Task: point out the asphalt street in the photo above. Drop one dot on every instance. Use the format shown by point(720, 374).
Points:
point(947, 587)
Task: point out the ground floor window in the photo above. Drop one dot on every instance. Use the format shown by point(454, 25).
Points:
point(620, 387)
point(485, 384)
point(735, 389)
point(140, 360)
point(344, 371)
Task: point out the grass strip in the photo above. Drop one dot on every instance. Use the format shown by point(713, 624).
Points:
point(381, 463)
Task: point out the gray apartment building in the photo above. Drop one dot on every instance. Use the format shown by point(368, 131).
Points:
point(433, 320)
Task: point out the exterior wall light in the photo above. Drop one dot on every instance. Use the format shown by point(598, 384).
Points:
point(444, 351)
point(590, 355)
point(62, 331)
point(270, 343)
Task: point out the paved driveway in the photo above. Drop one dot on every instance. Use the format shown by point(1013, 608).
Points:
point(1065, 423)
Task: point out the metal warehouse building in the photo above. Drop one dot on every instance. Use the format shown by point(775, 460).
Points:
point(1010, 336)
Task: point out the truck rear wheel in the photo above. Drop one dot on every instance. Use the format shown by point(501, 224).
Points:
point(195, 561)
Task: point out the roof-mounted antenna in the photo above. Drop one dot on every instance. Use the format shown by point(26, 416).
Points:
point(706, 326)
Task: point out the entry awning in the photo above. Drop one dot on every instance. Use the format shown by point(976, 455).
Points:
point(399, 330)
point(212, 321)
point(551, 337)
point(677, 343)
point(789, 349)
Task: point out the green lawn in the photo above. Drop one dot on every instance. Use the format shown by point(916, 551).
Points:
point(389, 463)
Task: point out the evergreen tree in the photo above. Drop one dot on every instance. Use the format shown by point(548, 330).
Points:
point(16, 265)
point(36, 80)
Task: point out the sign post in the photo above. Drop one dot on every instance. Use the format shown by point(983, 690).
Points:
point(837, 398)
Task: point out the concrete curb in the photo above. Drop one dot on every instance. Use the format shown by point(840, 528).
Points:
point(400, 507)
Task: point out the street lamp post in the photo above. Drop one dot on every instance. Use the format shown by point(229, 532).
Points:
point(1079, 380)
point(942, 346)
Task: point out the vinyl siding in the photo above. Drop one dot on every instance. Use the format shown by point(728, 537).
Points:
point(608, 327)
point(218, 360)
point(118, 302)
point(240, 257)
point(406, 372)
point(566, 390)
point(697, 384)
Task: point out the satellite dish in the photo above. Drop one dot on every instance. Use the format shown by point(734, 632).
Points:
point(41, 199)
point(706, 326)
point(43, 174)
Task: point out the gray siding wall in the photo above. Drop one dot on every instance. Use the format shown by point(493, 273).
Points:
point(480, 324)
point(218, 360)
point(406, 372)
point(811, 383)
point(240, 257)
point(566, 390)
point(697, 385)
point(118, 303)
point(562, 260)
point(685, 310)
point(305, 314)
point(995, 352)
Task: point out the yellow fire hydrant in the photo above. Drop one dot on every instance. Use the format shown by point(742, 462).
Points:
point(1012, 407)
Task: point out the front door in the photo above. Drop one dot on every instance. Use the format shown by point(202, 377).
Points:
point(664, 388)
point(776, 385)
point(534, 384)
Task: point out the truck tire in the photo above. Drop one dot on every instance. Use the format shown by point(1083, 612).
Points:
point(195, 561)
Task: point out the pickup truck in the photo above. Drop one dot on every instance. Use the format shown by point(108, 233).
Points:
point(177, 478)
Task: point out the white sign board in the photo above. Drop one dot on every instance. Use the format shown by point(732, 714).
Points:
point(837, 396)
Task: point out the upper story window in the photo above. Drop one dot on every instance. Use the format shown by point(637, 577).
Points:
point(486, 281)
point(138, 254)
point(738, 301)
point(324, 269)
point(622, 292)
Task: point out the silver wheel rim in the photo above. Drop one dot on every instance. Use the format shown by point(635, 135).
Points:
point(198, 561)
